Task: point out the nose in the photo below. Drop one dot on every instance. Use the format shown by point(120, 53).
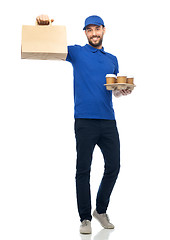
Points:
point(94, 32)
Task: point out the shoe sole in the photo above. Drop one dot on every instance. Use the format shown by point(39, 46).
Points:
point(85, 233)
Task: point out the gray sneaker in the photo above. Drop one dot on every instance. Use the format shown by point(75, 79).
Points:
point(103, 219)
point(85, 227)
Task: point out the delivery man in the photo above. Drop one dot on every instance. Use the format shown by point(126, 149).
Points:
point(95, 122)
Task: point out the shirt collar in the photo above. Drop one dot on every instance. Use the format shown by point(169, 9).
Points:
point(92, 49)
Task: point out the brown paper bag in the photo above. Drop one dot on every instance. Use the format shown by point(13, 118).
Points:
point(44, 42)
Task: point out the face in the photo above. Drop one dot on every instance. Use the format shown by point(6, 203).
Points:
point(94, 35)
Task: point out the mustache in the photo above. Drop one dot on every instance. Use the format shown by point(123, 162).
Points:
point(95, 37)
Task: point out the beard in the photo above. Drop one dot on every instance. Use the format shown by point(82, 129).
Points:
point(97, 44)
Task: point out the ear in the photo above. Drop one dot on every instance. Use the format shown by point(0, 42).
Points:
point(104, 30)
point(85, 33)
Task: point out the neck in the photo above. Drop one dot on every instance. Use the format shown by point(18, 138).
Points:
point(97, 47)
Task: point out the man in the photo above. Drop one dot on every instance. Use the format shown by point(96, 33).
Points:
point(94, 120)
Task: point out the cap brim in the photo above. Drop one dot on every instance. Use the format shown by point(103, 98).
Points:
point(93, 24)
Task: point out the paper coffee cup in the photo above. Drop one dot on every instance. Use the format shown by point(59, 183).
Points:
point(111, 78)
point(130, 80)
point(121, 79)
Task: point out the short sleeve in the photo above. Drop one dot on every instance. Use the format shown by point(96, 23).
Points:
point(72, 53)
point(69, 58)
point(117, 66)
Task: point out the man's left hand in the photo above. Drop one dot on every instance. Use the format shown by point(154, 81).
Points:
point(123, 92)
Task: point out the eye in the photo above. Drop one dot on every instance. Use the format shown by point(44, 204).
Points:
point(88, 30)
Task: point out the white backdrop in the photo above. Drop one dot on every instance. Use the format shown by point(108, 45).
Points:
point(37, 144)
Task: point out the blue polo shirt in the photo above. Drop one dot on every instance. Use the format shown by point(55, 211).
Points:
point(90, 66)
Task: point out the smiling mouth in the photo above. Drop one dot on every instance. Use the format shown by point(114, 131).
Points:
point(95, 38)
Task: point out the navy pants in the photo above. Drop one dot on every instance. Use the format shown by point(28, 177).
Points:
point(89, 133)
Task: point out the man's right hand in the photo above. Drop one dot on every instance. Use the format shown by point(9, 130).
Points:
point(43, 20)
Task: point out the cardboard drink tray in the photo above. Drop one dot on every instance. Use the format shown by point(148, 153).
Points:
point(119, 86)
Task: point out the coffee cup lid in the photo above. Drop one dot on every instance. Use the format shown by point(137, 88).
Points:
point(111, 75)
point(122, 75)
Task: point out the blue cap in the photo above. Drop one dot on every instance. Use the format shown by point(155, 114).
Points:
point(96, 20)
